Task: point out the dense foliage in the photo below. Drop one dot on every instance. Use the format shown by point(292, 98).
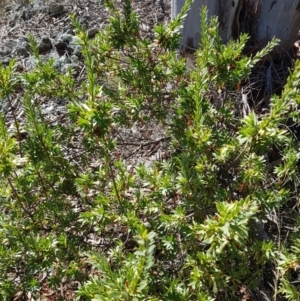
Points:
point(190, 226)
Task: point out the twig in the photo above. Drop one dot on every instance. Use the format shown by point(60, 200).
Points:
point(148, 143)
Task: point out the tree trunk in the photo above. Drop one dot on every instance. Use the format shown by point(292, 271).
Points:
point(280, 19)
point(262, 19)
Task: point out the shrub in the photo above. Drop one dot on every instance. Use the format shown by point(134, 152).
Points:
point(185, 227)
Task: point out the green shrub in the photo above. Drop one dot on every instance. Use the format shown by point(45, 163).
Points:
point(189, 226)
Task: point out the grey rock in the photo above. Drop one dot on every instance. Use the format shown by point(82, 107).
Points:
point(92, 32)
point(56, 9)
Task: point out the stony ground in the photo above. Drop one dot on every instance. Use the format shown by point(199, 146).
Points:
point(49, 22)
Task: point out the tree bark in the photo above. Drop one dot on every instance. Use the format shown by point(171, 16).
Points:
point(263, 19)
point(279, 18)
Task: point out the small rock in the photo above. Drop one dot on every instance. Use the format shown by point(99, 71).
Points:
point(56, 9)
point(92, 32)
